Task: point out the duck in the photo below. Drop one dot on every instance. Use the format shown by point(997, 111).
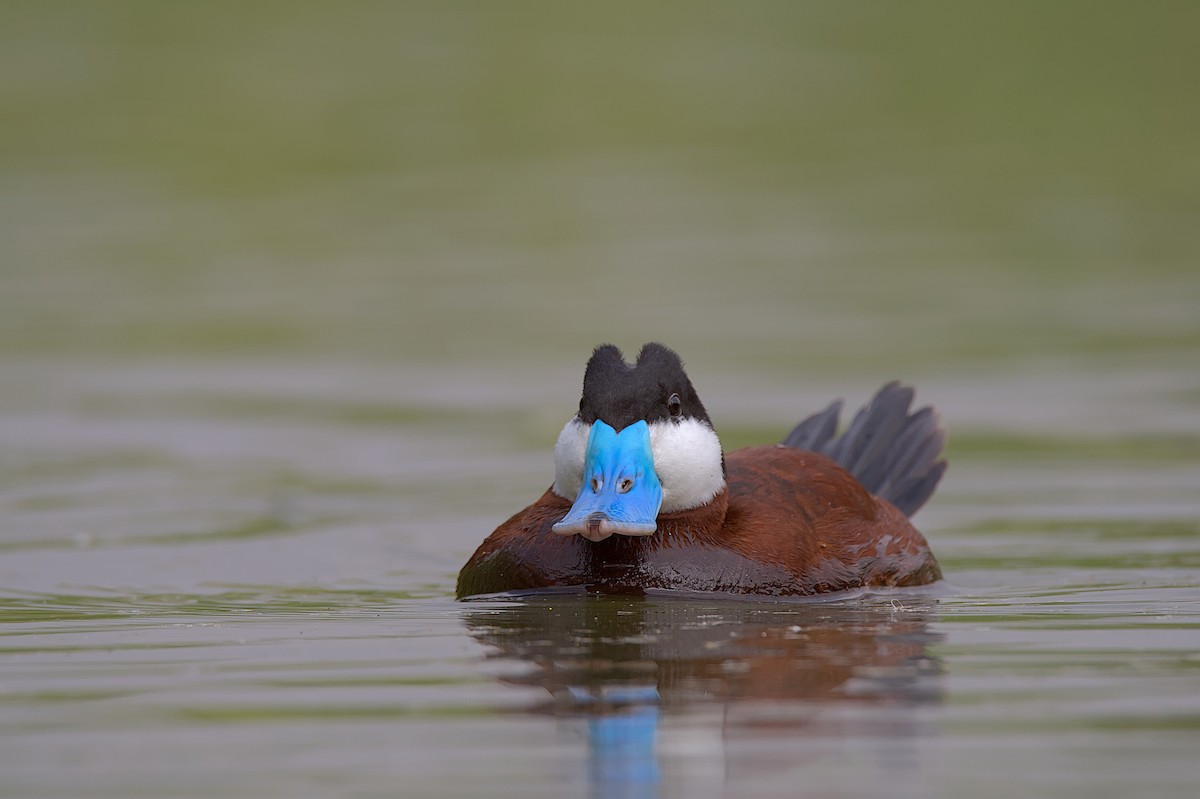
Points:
point(646, 501)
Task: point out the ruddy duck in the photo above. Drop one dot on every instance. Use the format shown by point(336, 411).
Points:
point(643, 497)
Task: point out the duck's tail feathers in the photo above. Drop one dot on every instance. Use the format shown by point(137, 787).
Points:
point(893, 453)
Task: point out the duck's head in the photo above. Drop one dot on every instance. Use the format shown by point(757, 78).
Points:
point(641, 444)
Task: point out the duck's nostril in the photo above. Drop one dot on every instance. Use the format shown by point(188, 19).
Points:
point(624, 486)
point(596, 484)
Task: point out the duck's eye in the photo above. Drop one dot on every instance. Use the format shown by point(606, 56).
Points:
point(674, 406)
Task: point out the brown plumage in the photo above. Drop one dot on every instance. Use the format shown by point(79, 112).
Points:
point(790, 523)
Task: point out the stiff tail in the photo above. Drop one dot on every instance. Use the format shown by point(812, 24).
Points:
point(893, 453)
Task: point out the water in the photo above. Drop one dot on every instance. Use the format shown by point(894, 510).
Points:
point(293, 304)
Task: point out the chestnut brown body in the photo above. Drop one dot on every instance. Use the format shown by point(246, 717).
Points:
point(789, 523)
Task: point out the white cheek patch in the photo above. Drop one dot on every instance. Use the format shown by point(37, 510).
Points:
point(568, 459)
point(687, 459)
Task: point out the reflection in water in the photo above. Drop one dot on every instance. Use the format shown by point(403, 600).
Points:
point(702, 693)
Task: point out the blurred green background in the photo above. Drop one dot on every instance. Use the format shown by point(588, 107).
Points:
point(871, 187)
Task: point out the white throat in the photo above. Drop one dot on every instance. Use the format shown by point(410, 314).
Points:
point(687, 460)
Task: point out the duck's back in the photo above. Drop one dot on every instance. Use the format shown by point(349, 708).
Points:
point(802, 511)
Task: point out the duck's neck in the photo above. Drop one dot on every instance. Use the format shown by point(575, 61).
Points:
point(664, 559)
point(704, 522)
